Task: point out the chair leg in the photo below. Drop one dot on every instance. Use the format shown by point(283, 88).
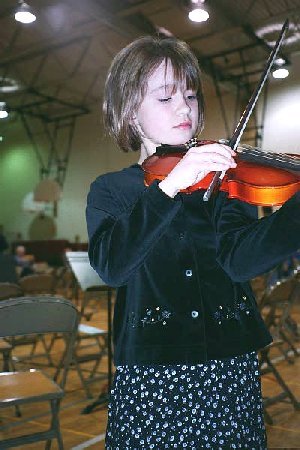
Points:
point(268, 418)
point(285, 388)
point(18, 411)
point(48, 444)
point(82, 379)
point(55, 425)
point(293, 348)
point(7, 363)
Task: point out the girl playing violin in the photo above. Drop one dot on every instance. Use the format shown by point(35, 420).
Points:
point(186, 324)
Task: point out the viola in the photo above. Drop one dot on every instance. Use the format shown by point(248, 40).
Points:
point(260, 177)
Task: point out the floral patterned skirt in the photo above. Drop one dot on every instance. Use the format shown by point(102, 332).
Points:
point(215, 405)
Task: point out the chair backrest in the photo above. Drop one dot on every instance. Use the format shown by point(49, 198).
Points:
point(8, 290)
point(259, 286)
point(282, 291)
point(278, 302)
point(38, 315)
point(37, 284)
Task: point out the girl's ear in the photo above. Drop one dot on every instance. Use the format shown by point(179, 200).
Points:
point(134, 122)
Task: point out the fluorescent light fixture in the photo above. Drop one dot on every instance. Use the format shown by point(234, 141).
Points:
point(280, 61)
point(8, 85)
point(198, 15)
point(24, 14)
point(282, 72)
point(269, 30)
point(3, 110)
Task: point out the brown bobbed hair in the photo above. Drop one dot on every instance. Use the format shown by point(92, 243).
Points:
point(127, 78)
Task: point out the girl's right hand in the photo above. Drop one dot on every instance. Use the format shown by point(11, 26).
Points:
point(195, 165)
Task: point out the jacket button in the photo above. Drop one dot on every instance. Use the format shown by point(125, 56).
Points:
point(188, 273)
point(181, 235)
point(195, 314)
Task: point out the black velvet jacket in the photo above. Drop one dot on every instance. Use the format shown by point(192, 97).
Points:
point(182, 267)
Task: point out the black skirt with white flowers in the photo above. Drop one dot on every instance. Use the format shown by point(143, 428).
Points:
point(215, 405)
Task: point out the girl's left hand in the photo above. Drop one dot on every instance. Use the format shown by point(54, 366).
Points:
point(196, 164)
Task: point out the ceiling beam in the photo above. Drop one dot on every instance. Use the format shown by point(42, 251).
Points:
point(40, 51)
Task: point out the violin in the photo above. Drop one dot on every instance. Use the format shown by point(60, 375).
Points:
point(260, 177)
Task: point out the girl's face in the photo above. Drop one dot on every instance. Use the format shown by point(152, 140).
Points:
point(168, 113)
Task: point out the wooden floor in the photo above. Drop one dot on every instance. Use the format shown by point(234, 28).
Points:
point(82, 431)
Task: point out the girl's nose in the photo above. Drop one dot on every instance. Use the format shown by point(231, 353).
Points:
point(183, 106)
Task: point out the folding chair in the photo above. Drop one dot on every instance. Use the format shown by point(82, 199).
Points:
point(276, 307)
point(37, 284)
point(36, 315)
point(9, 290)
point(87, 362)
point(259, 286)
point(40, 283)
point(5, 351)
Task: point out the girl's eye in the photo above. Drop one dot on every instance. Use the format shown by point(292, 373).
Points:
point(192, 97)
point(164, 100)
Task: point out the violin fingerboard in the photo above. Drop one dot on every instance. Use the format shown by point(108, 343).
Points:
point(280, 161)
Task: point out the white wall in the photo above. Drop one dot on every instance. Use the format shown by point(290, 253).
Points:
point(282, 122)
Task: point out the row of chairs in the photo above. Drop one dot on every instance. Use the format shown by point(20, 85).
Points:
point(84, 354)
point(36, 316)
point(91, 342)
point(276, 302)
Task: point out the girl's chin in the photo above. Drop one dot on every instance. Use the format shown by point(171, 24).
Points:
point(179, 140)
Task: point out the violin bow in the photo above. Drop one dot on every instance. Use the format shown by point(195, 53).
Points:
point(237, 134)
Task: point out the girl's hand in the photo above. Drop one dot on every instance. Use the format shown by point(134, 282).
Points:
point(195, 165)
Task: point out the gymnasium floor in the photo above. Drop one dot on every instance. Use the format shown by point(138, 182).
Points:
point(81, 431)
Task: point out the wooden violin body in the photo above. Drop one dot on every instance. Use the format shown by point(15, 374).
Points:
point(251, 182)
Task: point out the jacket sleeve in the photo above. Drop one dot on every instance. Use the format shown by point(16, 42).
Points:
point(246, 246)
point(121, 237)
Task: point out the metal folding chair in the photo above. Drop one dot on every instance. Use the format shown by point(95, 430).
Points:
point(36, 315)
point(9, 290)
point(276, 307)
point(41, 283)
point(92, 342)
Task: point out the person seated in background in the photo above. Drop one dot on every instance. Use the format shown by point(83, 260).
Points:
point(8, 273)
point(3, 243)
point(23, 261)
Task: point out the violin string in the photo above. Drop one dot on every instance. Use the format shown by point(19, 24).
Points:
point(270, 154)
point(274, 157)
point(280, 157)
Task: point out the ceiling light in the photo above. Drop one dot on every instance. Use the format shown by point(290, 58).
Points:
point(279, 61)
point(8, 85)
point(281, 72)
point(24, 14)
point(197, 13)
point(3, 110)
point(269, 30)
